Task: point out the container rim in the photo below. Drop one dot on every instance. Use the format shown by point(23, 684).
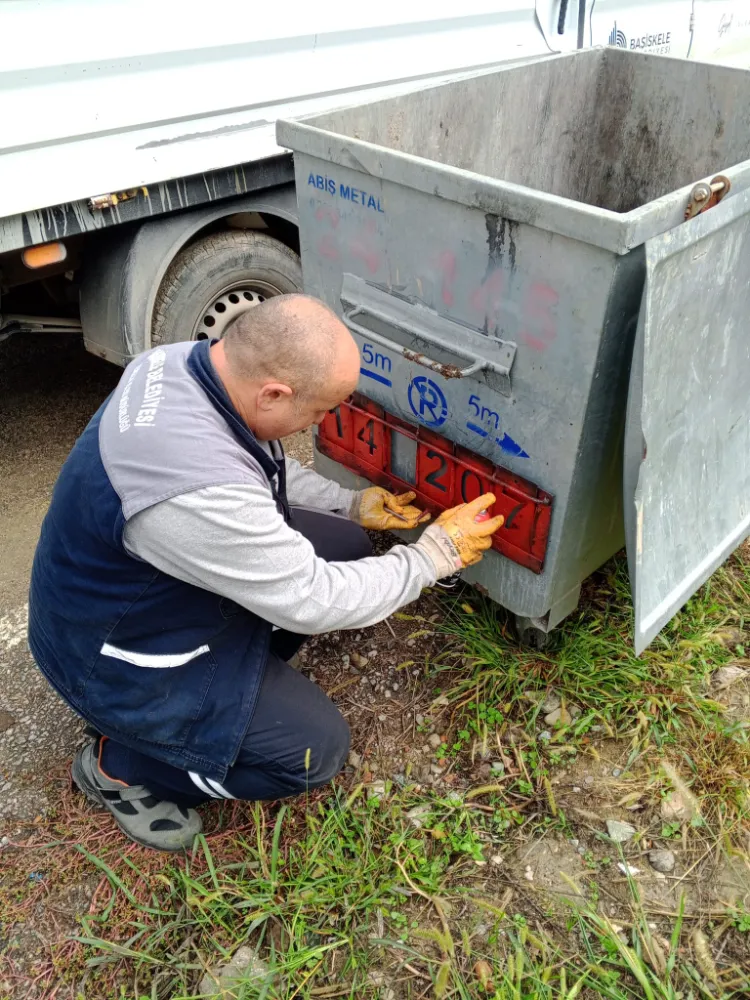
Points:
point(619, 232)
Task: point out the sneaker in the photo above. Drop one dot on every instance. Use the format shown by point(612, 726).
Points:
point(147, 820)
point(449, 582)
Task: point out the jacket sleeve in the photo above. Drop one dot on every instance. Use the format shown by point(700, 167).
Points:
point(232, 540)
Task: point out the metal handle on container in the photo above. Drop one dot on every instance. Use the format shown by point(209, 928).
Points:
point(442, 368)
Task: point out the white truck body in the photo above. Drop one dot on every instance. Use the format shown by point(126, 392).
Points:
point(105, 96)
point(132, 128)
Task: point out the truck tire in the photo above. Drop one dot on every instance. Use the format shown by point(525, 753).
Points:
point(213, 280)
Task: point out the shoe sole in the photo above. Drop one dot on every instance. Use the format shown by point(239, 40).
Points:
point(94, 796)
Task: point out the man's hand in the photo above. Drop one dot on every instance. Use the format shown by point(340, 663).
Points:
point(379, 510)
point(457, 539)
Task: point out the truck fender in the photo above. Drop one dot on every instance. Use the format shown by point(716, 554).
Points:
point(120, 281)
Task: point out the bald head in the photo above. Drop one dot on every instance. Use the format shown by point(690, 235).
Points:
point(285, 363)
point(294, 339)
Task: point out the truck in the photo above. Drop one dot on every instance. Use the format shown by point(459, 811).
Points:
point(143, 197)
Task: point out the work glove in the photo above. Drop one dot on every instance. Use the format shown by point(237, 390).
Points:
point(457, 539)
point(379, 510)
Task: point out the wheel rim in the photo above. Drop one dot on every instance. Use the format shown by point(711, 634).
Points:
point(228, 305)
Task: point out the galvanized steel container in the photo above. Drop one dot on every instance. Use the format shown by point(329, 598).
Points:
point(536, 315)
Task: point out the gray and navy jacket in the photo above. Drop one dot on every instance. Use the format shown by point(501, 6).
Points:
point(162, 666)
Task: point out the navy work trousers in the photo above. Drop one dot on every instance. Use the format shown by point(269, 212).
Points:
point(296, 739)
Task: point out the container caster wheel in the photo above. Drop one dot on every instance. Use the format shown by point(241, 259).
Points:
point(531, 632)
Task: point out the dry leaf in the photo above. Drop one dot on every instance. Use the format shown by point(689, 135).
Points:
point(483, 972)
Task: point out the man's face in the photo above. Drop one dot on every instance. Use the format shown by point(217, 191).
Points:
point(280, 411)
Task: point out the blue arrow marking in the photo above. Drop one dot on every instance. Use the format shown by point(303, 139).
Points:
point(506, 442)
point(511, 447)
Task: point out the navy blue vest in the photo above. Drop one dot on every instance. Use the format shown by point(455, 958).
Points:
point(157, 664)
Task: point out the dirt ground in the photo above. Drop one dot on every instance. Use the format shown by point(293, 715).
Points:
point(49, 388)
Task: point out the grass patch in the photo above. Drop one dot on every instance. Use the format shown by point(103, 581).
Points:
point(591, 661)
point(416, 893)
point(347, 898)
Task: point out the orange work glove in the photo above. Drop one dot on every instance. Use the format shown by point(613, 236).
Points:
point(456, 539)
point(379, 510)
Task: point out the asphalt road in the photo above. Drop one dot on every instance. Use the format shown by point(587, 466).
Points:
point(49, 388)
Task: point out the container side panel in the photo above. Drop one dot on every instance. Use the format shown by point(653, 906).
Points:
point(688, 444)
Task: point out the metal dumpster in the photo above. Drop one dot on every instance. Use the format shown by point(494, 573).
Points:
point(537, 316)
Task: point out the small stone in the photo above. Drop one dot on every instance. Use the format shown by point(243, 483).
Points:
point(588, 780)
point(4, 841)
point(417, 814)
point(382, 718)
point(442, 701)
point(545, 735)
point(387, 693)
point(620, 832)
point(576, 788)
point(528, 874)
point(394, 686)
point(434, 740)
point(496, 859)
point(426, 748)
point(419, 719)
point(411, 642)
point(561, 715)
point(661, 860)
point(725, 676)
point(243, 969)
point(313, 678)
point(551, 703)
point(497, 766)
point(616, 772)
point(376, 790)
point(436, 769)
point(345, 659)
point(454, 796)
point(358, 660)
point(354, 759)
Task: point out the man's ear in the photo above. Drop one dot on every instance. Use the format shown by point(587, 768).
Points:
point(273, 393)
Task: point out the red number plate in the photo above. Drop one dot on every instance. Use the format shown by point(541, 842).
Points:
point(360, 435)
